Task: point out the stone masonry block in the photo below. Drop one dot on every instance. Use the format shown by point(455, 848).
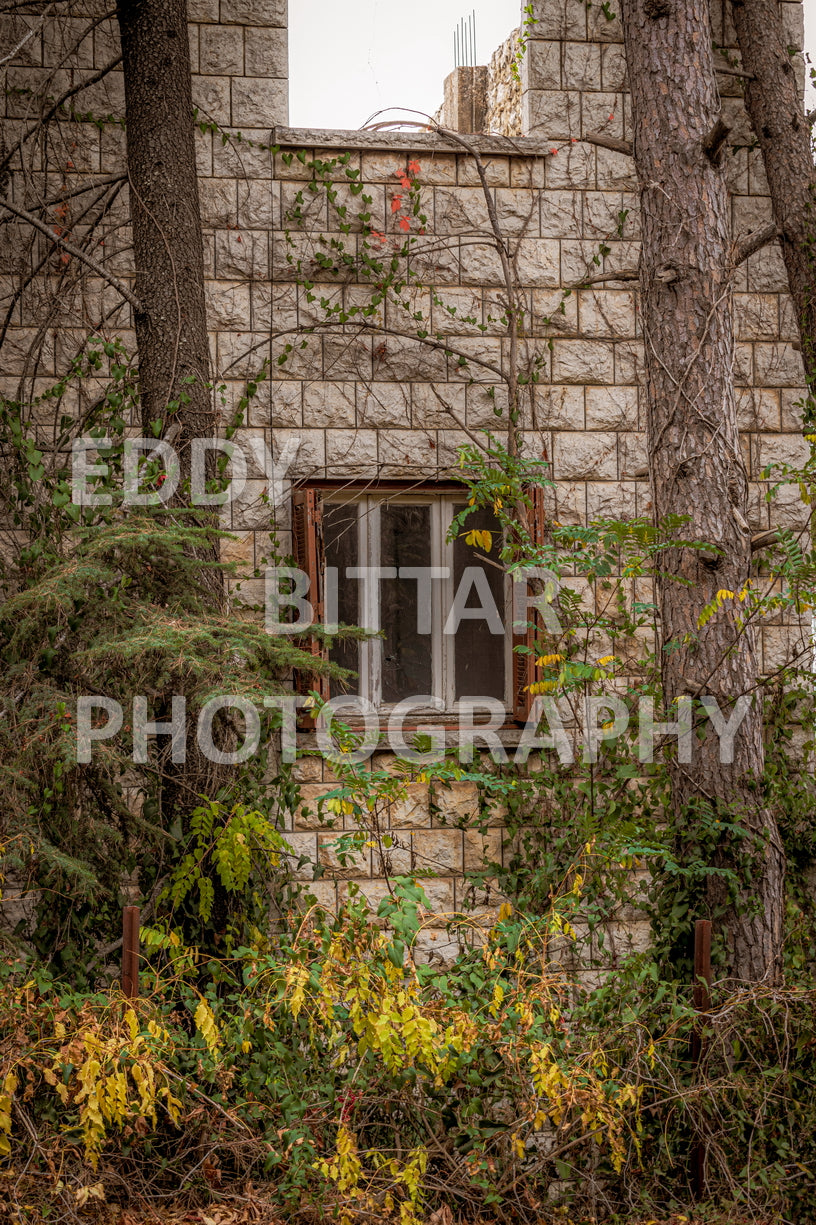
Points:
point(310, 457)
point(538, 262)
point(583, 361)
point(211, 96)
point(413, 811)
point(632, 457)
point(756, 316)
point(358, 864)
point(613, 67)
point(560, 408)
point(303, 846)
point(460, 211)
point(457, 804)
point(254, 12)
point(616, 170)
point(440, 850)
point(351, 453)
point(242, 255)
point(757, 409)
point(766, 271)
point(259, 102)
point(606, 312)
point(307, 813)
point(611, 408)
point(610, 500)
point(266, 52)
point(221, 50)
point(582, 457)
point(227, 304)
point(581, 65)
point(778, 365)
point(541, 67)
point(603, 112)
point(573, 167)
point(603, 25)
point(552, 114)
point(560, 18)
point(481, 849)
point(792, 403)
point(329, 404)
point(519, 211)
point(438, 405)
point(384, 405)
point(560, 214)
point(257, 204)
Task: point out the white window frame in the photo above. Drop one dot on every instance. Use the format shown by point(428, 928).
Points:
point(443, 658)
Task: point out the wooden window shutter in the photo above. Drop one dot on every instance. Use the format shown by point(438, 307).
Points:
point(307, 549)
point(525, 671)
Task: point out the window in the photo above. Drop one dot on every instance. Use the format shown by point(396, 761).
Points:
point(381, 559)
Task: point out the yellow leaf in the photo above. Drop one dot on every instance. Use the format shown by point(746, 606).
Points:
point(205, 1023)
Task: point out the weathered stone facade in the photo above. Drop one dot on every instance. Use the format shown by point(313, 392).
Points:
point(372, 404)
point(504, 90)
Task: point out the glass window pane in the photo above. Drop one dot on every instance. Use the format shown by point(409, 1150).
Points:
point(405, 540)
point(341, 546)
point(479, 654)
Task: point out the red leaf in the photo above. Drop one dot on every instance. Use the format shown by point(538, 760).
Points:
point(553, 151)
point(405, 184)
point(413, 167)
point(405, 224)
point(396, 204)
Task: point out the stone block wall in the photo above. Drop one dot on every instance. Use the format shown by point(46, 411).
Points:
point(369, 404)
point(504, 91)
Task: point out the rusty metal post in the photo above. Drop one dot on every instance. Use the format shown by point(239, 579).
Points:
point(130, 952)
point(701, 996)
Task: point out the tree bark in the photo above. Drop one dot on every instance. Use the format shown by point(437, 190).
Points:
point(171, 326)
point(695, 462)
point(171, 321)
point(776, 111)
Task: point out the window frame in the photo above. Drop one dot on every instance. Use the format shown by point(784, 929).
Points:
point(520, 669)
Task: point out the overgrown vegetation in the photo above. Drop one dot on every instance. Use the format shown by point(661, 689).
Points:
point(323, 1058)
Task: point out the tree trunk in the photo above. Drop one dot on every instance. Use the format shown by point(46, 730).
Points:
point(171, 326)
point(695, 462)
point(774, 107)
point(171, 322)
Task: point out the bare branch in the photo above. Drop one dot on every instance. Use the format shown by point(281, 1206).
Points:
point(108, 181)
point(608, 142)
point(55, 106)
point(735, 72)
point(714, 142)
point(622, 274)
point(35, 29)
point(72, 250)
point(762, 540)
point(753, 242)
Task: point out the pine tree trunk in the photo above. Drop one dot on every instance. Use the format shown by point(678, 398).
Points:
point(171, 327)
point(695, 462)
point(775, 109)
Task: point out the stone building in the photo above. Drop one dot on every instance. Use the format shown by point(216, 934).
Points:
point(379, 412)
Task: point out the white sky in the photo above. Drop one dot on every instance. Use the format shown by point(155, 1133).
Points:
point(349, 58)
